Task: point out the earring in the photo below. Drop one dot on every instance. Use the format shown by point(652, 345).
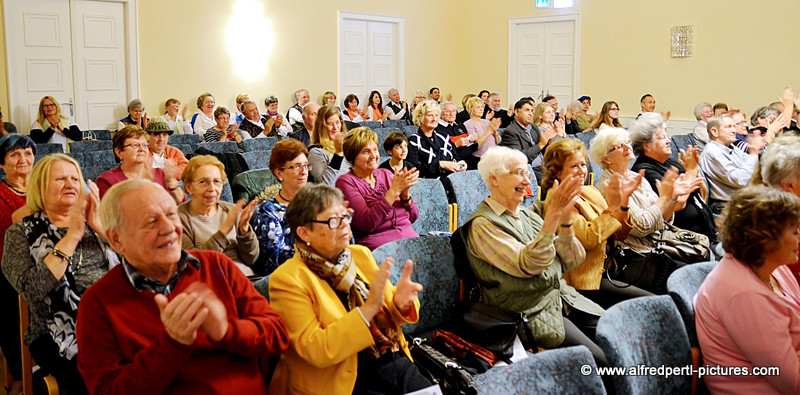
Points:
point(280, 180)
point(308, 243)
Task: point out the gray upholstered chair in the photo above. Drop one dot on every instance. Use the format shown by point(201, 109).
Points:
point(467, 190)
point(259, 144)
point(90, 146)
point(434, 210)
point(256, 160)
point(220, 146)
point(682, 286)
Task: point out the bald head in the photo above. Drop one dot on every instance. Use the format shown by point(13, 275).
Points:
point(310, 115)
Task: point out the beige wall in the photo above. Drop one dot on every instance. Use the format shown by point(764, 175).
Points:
point(462, 46)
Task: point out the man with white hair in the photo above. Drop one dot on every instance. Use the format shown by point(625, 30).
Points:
point(254, 124)
point(727, 168)
point(295, 113)
point(309, 116)
point(396, 108)
point(497, 112)
point(167, 320)
point(702, 111)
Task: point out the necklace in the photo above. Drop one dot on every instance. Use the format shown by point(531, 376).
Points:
point(15, 190)
point(281, 196)
point(768, 282)
point(80, 259)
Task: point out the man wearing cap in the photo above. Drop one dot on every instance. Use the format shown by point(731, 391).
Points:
point(158, 132)
point(584, 119)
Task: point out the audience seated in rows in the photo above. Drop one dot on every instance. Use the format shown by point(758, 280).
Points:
point(257, 125)
point(211, 224)
point(131, 148)
point(167, 320)
point(652, 149)
point(51, 257)
point(288, 162)
point(432, 153)
point(325, 153)
point(343, 316)
point(383, 208)
point(594, 222)
point(53, 127)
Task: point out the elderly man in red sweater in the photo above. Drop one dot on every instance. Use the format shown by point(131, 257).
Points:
point(167, 320)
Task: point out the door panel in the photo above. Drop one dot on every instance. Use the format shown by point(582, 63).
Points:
point(368, 58)
point(354, 73)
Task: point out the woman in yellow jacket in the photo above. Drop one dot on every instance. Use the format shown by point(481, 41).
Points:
point(343, 315)
point(594, 221)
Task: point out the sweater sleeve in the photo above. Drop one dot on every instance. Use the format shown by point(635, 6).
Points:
point(366, 217)
point(106, 371)
point(40, 136)
point(31, 280)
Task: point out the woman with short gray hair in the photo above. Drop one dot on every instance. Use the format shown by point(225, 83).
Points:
point(136, 115)
point(649, 212)
point(652, 147)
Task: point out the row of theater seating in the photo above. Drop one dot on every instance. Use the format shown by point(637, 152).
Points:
point(651, 331)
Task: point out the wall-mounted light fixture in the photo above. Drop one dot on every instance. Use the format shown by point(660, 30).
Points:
point(682, 41)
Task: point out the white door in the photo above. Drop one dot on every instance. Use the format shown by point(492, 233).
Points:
point(370, 56)
point(98, 38)
point(75, 51)
point(39, 51)
point(543, 59)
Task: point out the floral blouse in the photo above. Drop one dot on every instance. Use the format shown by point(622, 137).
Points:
point(274, 237)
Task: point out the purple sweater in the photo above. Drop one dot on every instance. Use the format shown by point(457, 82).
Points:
point(375, 221)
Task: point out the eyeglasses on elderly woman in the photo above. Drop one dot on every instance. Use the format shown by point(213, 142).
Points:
point(336, 221)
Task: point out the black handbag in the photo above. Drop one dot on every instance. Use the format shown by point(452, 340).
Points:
point(490, 327)
point(443, 371)
point(648, 271)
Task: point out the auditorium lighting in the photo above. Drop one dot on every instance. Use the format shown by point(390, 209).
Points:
point(249, 40)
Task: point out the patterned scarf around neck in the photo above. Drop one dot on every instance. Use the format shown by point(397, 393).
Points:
point(64, 298)
point(345, 280)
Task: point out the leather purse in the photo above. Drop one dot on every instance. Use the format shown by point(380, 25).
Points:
point(684, 245)
point(490, 327)
point(648, 271)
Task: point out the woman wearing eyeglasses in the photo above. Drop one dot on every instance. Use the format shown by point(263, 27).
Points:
point(289, 164)
point(647, 211)
point(131, 149)
point(343, 316)
point(211, 224)
point(381, 201)
point(608, 117)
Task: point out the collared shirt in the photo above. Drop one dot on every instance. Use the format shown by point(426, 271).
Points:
point(140, 282)
point(527, 131)
point(727, 169)
point(491, 244)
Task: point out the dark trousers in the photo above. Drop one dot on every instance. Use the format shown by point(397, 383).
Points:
point(45, 353)
point(9, 329)
point(580, 329)
point(610, 294)
point(392, 373)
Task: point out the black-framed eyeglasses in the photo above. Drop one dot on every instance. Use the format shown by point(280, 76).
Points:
point(298, 166)
point(336, 221)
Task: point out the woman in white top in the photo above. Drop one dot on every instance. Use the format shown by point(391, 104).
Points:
point(204, 119)
point(52, 127)
point(177, 122)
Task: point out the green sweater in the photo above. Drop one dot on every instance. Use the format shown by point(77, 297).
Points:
point(539, 297)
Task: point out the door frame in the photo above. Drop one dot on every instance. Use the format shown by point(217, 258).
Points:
point(513, 29)
point(131, 28)
point(400, 24)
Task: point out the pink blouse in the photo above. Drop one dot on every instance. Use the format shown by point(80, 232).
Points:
point(476, 130)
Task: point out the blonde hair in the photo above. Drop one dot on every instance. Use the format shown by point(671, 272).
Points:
point(199, 161)
point(355, 140)
point(423, 108)
point(539, 112)
point(40, 178)
point(472, 102)
point(40, 117)
point(327, 95)
point(320, 133)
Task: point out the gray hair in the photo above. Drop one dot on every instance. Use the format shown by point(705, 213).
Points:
point(698, 109)
point(599, 146)
point(495, 162)
point(110, 211)
point(762, 112)
point(423, 108)
point(299, 92)
point(309, 201)
point(246, 102)
point(494, 94)
point(643, 131)
point(441, 106)
point(781, 161)
point(575, 106)
point(135, 103)
point(714, 122)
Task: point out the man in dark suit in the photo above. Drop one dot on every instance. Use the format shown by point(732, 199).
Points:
point(522, 135)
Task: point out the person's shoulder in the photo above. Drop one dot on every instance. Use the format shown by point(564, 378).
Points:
point(113, 281)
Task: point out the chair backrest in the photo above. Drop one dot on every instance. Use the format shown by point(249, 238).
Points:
point(95, 163)
point(262, 286)
point(256, 159)
point(409, 130)
point(680, 142)
point(259, 144)
point(90, 146)
point(433, 268)
point(226, 195)
point(382, 133)
point(395, 123)
point(431, 201)
point(371, 124)
point(191, 139)
point(548, 372)
point(251, 183)
point(186, 149)
point(646, 331)
point(49, 148)
point(586, 139)
point(467, 190)
point(102, 134)
point(682, 286)
point(220, 146)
